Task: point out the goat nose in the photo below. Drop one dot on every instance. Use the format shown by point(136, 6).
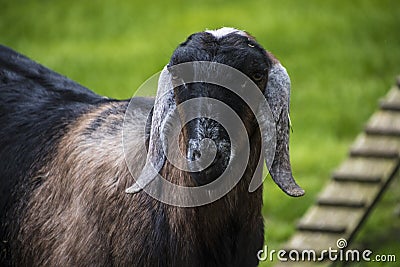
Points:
point(194, 154)
point(194, 150)
point(201, 152)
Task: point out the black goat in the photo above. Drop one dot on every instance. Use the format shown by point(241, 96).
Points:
point(63, 173)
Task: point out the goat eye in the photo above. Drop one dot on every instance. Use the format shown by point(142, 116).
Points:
point(258, 76)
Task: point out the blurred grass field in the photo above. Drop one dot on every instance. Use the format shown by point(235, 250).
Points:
point(341, 55)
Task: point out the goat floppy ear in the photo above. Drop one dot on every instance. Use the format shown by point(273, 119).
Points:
point(277, 93)
point(164, 104)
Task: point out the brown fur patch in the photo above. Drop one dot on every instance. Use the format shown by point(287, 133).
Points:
point(81, 216)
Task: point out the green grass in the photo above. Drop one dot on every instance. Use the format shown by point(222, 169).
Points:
point(341, 55)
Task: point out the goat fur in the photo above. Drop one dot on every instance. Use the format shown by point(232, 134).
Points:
point(63, 175)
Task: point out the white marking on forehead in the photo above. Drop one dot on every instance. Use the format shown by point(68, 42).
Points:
point(225, 31)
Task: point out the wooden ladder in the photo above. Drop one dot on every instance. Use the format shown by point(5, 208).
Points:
point(355, 187)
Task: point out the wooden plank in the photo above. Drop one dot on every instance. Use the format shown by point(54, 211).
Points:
point(384, 123)
point(334, 202)
point(384, 185)
point(303, 264)
point(301, 241)
point(376, 146)
point(368, 170)
point(350, 194)
point(392, 100)
point(357, 184)
point(327, 219)
point(316, 227)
